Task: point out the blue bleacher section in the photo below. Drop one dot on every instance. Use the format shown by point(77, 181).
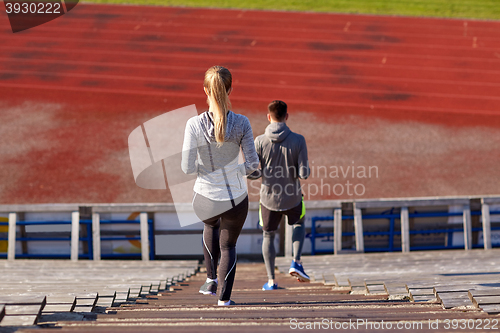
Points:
point(88, 239)
point(392, 217)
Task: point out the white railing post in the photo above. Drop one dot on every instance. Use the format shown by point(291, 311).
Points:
point(337, 230)
point(358, 229)
point(96, 236)
point(405, 230)
point(11, 247)
point(75, 235)
point(485, 215)
point(144, 236)
point(467, 228)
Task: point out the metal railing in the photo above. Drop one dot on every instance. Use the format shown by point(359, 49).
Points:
point(403, 204)
point(53, 238)
point(90, 216)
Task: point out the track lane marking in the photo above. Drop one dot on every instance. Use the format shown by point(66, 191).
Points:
point(374, 78)
point(244, 84)
point(254, 99)
point(209, 44)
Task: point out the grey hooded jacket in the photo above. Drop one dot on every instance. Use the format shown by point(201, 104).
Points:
point(283, 160)
point(220, 177)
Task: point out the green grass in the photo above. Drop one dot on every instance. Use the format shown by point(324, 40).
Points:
point(479, 9)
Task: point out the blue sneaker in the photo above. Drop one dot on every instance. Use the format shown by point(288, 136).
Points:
point(296, 270)
point(266, 286)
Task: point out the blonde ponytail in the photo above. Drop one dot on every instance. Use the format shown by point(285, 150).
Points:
point(218, 81)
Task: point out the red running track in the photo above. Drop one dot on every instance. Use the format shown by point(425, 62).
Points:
point(417, 97)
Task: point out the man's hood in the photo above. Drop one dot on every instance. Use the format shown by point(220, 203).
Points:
point(277, 131)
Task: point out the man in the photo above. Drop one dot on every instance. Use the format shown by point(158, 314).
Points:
point(283, 160)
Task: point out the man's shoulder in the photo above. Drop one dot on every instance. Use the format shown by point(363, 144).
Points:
point(296, 137)
point(295, 134)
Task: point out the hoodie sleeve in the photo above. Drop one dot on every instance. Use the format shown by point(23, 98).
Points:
point(304, 170)
point(258, 148)
point(248, 148)
point(189, 163)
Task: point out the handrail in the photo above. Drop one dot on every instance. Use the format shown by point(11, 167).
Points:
point(91, 211)
point(467, 229)
point(87, 239)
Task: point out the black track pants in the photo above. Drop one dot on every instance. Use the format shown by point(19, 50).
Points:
point(219, 238)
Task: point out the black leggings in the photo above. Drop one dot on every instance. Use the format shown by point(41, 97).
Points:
point(219, 238)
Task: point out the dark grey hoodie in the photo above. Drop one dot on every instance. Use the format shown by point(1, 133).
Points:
point(283, 160)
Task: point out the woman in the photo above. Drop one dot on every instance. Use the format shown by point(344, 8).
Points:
point(212, 142)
